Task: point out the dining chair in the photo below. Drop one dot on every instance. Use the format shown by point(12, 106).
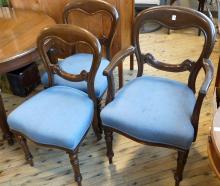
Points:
point(154, 110)
point(77, 62)
point(60, 116)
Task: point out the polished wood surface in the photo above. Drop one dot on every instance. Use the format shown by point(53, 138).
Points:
point(19, 31)
point(97, 25)
point(215, 131)
point(55, 10)
point(214, 143)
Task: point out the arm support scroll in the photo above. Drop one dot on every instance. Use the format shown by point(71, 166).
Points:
point(116, 60)
point(209, 73)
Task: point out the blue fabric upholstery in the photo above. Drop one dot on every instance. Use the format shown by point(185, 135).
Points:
point(153, 109)
point(75, 64)
point(56, 116)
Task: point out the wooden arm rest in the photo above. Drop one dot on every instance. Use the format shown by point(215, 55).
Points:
point(209, 74)
point(209, 71)
point(117, 59)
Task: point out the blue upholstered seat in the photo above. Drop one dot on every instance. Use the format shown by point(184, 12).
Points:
point(74, 65)
point(153, 109)
point(56, 116)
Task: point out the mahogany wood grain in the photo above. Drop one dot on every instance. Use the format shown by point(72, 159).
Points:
point(123, 35)
point(19, 31)
point(214, 144)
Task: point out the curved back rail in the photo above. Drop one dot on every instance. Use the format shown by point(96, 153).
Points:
point(176, 18)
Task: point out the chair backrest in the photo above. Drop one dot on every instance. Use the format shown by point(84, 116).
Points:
point(176, 18)
point(62, 39)
point(103, 12)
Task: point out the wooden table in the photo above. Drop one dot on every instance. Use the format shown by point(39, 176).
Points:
point(19, 31)
point(214, 144)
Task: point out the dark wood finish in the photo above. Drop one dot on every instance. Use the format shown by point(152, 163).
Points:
point(92, 8)
point(94, 11)
point(214, 144)
point(19, 45)
point(109, 138)
point(184, 18)
point(23, 142)
point(3, 123)
point(181, 161)
point(95, 24)
point(75, 164)
point(63, 39)
point(18, 48)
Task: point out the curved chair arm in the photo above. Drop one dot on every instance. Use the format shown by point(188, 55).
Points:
point(184, 66)
point(209, 74)
point(116, 60)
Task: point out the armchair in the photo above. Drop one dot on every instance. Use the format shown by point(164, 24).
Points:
point(60, 116)
point(159, 111)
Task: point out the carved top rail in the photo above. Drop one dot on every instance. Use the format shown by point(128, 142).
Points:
point(176, 18)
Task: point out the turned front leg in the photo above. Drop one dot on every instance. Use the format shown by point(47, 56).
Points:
point(3, 123)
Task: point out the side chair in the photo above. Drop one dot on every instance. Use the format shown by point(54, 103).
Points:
point(76, 62)
point(60, 116)
point(154, 110)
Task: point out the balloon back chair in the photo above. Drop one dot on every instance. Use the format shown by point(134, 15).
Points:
point(60, 116)
point(154, 110)
point(79, 61)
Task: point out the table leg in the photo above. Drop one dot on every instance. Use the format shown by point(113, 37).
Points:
point(4, 125)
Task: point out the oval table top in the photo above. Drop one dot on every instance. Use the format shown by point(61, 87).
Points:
point(19, 31)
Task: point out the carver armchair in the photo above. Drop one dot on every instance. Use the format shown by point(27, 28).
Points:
point(60, 116)
point(76, 62)
point(154, 110)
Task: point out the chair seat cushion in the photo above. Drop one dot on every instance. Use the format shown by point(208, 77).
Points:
point(74, 65)
point(57, 116)
point(154, 110)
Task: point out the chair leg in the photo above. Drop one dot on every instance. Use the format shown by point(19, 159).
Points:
point(95, 124)
point(75, 164)
point(23, 142)
point(108, 139)
point(131, 62)
point(98, 115)
point(181, 161)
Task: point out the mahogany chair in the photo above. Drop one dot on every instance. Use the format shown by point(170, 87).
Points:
point(154, 110)
point(77, 62)
point(60, 116)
